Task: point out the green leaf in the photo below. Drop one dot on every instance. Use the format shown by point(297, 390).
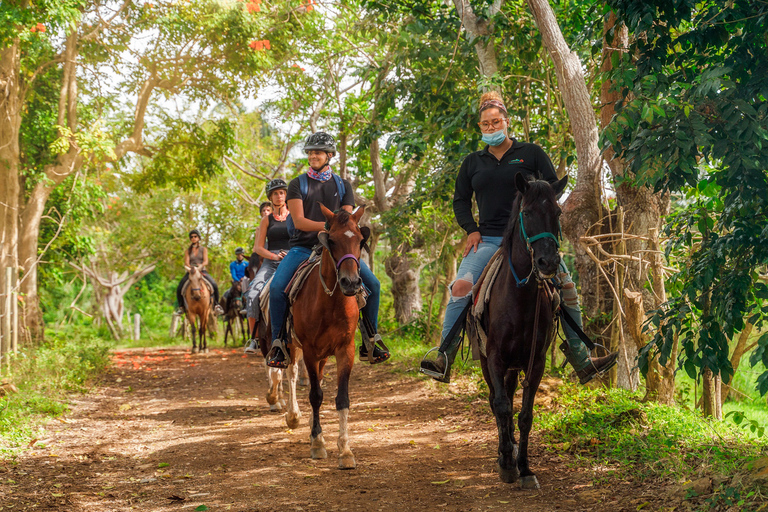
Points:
point(202, 507)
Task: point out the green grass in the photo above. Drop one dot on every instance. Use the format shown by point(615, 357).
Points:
point(613, 428)
point(45, 376)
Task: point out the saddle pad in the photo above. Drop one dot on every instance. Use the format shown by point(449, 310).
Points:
point(293, 288)
point(264, 300)
point(186, 286)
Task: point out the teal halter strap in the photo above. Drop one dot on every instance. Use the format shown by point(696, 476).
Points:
point(532, 239)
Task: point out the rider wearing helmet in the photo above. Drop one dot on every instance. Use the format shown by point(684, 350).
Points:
point(272, 233)
point(197, 256)
point(237, 267)
point(489, 175)
point(323, 186)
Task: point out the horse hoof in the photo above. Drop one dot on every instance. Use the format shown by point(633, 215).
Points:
point(276, 407)
point(272, 399)
point(318, 453)
point(194, 350)
point(529, 482)
point(508, 476)
point(347, 462)
point(292, 420)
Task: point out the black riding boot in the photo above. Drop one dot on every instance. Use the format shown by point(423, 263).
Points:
point(371, 339)
point(440, 368)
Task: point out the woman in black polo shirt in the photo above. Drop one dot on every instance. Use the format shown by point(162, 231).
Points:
point(489, 174)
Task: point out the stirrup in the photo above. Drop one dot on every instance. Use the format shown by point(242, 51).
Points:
point(369, 346)
point(443, 376)
point(278, 347)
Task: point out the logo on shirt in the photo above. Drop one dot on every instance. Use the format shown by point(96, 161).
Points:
point(517, 161)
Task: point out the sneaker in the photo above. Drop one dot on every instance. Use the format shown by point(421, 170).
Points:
point(597, 366)
point(218, 310)
point(379, 355)
point(243, 312)
point(253, 347)
point(277, 356)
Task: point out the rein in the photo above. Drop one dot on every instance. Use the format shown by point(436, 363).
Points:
point(542, 288)
point(337, 264)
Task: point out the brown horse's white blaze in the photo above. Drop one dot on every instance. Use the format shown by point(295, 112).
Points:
point(325, 316)
point(198, 299)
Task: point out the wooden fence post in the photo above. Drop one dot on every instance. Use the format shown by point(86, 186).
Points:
point(15, 312)
point(136, 327)
point(6, 344)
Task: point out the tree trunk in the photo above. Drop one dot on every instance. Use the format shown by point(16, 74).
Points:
point(582, 209)
point(10, 123)
point(404, 271)
point(738, 352)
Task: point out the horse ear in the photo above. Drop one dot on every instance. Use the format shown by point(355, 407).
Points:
point(559, 186)
point(328, 214)
point(322, 237)
point(366, 232)
point(521, 182)
point(359, 214)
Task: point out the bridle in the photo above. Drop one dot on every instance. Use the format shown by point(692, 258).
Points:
point(337, 264)
point(528, 241)
point(542, 286)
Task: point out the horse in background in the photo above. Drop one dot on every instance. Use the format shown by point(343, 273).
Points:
point(325, 316)
point(199, 304)
point(519, 319)
point(232, 303)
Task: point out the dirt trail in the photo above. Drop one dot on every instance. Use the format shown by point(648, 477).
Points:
point(166, 431)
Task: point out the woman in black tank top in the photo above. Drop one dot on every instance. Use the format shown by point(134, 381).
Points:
point(272, 233)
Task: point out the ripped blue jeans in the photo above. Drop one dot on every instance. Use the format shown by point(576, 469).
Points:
point(470, 269)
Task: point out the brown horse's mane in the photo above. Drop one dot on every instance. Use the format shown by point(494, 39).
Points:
point(341, 218)
point(537, 189)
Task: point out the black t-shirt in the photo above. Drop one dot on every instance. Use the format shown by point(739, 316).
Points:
point(325, 192)
point(493, 183)
point(277, 235)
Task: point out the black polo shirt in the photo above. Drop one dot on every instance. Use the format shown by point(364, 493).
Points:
point(492, 182)
point(325, 192)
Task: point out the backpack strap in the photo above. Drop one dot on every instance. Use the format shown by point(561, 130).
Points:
point(303, 186)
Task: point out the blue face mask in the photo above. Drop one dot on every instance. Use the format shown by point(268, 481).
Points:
point(495, 138)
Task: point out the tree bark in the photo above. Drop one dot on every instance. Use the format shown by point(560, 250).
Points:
point(582, 209)
point(10, 124)
point(486, 51)
point(738, 352)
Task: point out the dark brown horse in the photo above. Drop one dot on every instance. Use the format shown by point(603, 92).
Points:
point(519, 319)
point(199, 305)
point(325, 316)
point(232, 303)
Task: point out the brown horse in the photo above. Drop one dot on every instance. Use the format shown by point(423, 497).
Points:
point(519, 319)
point(325, 317)
point(198, 306)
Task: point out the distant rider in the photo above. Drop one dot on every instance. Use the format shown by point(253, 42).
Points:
point(197, 256)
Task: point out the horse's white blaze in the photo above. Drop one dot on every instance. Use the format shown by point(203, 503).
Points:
point(349, 233)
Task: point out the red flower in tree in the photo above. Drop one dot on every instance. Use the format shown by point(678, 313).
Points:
point(40, 27)
point(253, 7)
point(266, 44)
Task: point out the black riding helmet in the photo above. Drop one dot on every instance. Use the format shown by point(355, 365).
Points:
point(276, 184)
point(239, 250)
point(195, 232)
point(320, 141)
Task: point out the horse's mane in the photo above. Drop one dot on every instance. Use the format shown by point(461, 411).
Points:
point(341, 218)
point(537, 190)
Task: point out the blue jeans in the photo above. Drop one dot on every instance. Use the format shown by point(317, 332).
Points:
point(470, 269)
point(278, 299)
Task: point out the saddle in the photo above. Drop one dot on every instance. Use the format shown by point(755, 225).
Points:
point(297, 283)
point(481, 295)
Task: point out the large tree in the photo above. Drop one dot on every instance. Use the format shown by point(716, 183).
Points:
point(91, 53)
